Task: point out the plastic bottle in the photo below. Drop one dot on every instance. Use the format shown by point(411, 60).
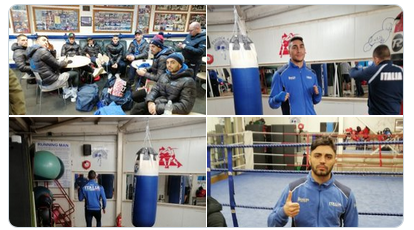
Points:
point(168, 108)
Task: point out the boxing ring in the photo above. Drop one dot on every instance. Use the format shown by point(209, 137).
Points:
point(249, 197)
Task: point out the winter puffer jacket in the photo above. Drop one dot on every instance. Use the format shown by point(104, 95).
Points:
point(21, 59)
point(42, 61)
point(179, 88)
point(93, 51)
point(70, 49)
point(195, 48)
point(214, 216)
point(115, 52)
point(140, 51)
point(159, 64)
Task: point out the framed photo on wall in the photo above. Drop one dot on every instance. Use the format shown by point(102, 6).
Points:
point(171, 7)
point(20, 19)
point(201, 18)
point(170, 22)
point(198, 8)
point(115, 6)
point(86, 21)
point(112, 21)
point(56, 20)
point(144, 15)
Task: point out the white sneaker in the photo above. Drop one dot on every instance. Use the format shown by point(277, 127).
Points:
point(67, 92)
point(74, 94)
point(109, 76)
point(117, 75)
point(97, 71)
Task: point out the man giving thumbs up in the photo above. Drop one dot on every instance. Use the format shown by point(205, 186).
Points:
point(317, 200)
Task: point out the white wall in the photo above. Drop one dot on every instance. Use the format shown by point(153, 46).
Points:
point(187, 134)
point(329, 32)
point(189, 142)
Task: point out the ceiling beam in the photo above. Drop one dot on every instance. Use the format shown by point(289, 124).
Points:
point(56, 125)
point(19, 121)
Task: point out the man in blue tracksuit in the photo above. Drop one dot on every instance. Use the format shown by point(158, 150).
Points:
point(295, 86)
point(385, 83)
point(318, 200)
point(92, 192)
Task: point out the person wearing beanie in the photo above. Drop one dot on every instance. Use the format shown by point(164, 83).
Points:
point(115, 52)
point(138, 49)
point(176, 84)
point(157, 68)
point(194, 47)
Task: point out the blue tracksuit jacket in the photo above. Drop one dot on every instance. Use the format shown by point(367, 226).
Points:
point(385, 87)
point(331, 204)
point(298, 82)
point(92, 192)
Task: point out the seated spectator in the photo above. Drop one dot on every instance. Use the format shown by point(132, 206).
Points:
point(138, 49)
point(176, 85)
point(115, 52)
point(20, 55)
point(43, 62)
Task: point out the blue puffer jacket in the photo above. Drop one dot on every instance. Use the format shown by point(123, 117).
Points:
point(330, 204)
point(298, 82)
point(195, 48)
point(93, 193)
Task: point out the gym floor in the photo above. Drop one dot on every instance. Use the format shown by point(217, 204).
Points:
point(374, 194)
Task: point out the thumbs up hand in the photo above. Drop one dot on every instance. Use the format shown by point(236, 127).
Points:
point(291, 208)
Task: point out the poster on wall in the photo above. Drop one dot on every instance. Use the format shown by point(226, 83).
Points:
point(144, 15)
point(19, 17)
point(112, 21)
point(56, 20)
point(170, 22)
point(61, 150)
point(200, 18)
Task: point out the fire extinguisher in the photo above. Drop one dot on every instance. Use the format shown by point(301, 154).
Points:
point(119, 220)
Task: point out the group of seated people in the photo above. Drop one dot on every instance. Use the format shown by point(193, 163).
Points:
point(174, 75)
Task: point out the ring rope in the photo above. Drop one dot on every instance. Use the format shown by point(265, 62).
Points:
point(305, 144)
point(359, 213)
point(306, 172)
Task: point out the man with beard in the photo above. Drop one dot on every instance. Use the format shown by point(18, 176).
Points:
point(295, 86)
point(318, 200)
point(176, 85)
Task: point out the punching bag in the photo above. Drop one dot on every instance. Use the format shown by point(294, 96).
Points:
point(245, 74)
point(144, 202)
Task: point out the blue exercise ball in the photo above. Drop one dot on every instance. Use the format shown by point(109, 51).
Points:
point(46, 165)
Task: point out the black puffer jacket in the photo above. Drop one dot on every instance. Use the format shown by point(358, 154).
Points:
point(21, 59)
point(42, 61)
point(195, 47)
point(93, 50)
point(115, 52)
point(70, 49)
point(142, 48)
point(159, 64)
point(179, 88)
point(214, 216)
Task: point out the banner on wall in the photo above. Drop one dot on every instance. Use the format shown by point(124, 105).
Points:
point(61, 150)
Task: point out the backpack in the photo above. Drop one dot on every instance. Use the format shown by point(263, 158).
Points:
point(88, 96)
point(111, 88)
